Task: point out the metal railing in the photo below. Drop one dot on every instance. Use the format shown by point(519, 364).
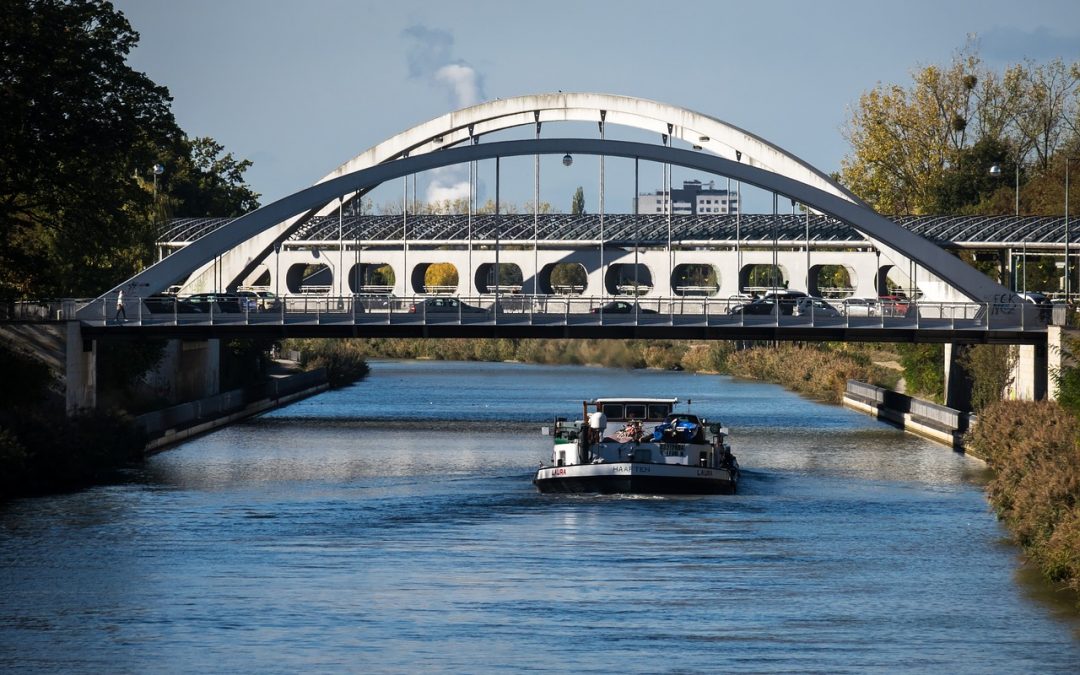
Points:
point(550, 310)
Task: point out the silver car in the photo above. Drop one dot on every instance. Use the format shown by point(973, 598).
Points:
point(816, 307)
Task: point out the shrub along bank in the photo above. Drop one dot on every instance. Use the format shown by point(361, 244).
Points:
point(820, 371)
point(1034, 450)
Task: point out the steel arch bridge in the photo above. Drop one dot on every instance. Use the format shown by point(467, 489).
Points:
point(239, 247)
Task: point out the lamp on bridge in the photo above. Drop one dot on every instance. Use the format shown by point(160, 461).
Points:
point(995, 171)
point(567, 160)
point(1068, 165)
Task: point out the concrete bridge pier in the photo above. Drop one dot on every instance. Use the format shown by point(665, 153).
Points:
point(1031, 377)
point(80, 367)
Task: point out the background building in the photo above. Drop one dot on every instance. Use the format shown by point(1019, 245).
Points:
point(693, 198)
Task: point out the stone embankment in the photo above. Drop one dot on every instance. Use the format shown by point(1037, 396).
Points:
point(180, 422)
point(929, 420)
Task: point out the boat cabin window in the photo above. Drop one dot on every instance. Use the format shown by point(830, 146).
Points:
point(614, 411)
point(658, 411)
point(635, 411)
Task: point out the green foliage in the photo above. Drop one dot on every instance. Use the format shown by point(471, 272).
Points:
point(33, 378)
point(990, 369)
point(569, 274)
point(204, 180)
point(1033, 449)
point(343, 359)
point(577, 203)
point(76, 126)
point(1068, 378)
point(121, 363)
point(968, 186)
point(924, 369)
point(43, 450)
point(928, 147)
point(244, 362)
point(818, 371)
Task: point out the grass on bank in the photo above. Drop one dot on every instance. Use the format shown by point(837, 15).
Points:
point(1033, 448)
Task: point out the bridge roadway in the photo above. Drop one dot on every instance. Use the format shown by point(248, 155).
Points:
point(517, 316)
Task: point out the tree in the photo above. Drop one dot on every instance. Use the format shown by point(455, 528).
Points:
point(926, 148)
point(577, 204)
point(208, 181)
point(441, 274)
point(76, 127)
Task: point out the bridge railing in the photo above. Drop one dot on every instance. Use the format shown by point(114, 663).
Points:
point(366, 309)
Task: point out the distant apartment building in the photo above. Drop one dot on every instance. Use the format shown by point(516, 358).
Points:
point(693, 198)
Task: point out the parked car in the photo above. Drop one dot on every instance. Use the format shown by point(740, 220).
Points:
point(621, 307)
point(269, 302)
point(1045, 305)
point(250, 301)
point(816, 307)
point(219, 302)
point(861, 307)
point(168, 304)
point(893, 305)
point(444, 305)
point(766, 304)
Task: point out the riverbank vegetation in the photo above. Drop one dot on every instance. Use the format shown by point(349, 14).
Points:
point(927, 148)
point(1034, 450)
point(42, 449)
point(820, 371)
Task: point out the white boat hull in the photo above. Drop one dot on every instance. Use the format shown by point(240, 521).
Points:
point(637, 477)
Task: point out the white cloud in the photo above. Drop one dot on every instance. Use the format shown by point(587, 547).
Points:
point(464, 83)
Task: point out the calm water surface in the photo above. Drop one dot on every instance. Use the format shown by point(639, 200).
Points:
point(392, 527)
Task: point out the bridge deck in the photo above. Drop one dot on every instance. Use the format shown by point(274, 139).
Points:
point(549, 317)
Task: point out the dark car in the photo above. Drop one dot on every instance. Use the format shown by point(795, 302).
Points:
point(168, 304)
point(622, 307)
point(444, 305)
point(766, 304)
point(218, 302)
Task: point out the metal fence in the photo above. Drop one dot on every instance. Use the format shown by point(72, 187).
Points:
point(554, 310)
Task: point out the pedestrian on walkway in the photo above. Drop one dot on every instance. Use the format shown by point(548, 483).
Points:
point(120, 306)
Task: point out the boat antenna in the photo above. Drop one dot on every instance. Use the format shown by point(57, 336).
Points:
point(688, 402)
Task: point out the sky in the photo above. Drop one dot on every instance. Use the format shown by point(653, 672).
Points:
point(300, 87)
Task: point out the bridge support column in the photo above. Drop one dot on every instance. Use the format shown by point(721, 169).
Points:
point(957, 380)
point(1030, 375)
point(80, 369)
point(197, 369)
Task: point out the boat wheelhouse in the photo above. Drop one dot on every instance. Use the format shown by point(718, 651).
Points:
point(639, 445)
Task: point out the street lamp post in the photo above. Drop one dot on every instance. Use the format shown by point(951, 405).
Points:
point(157, 170)
point(1068, 289)
point(995, 171)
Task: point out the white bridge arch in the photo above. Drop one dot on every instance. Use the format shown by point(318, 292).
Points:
point(240, 247)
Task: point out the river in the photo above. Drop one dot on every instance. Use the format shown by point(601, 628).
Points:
point(391, 526)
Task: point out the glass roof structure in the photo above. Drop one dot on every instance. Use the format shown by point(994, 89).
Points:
point(645, 230)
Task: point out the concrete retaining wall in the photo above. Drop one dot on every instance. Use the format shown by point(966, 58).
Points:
point(929, 420)
point(178, 423)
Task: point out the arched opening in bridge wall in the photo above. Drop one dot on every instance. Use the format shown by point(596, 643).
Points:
point(628, 279)
point(695, 280)
point(371, 278)
point(309, 278)
point(762, 278)
point(440, 278)
point(832, 281)
point(564, 279)
point(509, 278)
point(891, 281)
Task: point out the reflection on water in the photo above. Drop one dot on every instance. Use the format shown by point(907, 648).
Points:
point(392, 527)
